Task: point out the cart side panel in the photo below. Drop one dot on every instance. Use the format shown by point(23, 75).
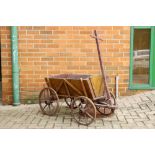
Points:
point(76, 88)
point(97, 85)
point(57, 85)
point(77, 84)
point(89, 89)
point(70, 87)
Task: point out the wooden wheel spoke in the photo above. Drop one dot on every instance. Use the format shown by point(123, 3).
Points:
point(87, 108)
point(52, 104)
point(49, 107)
point(45, 106)
point(79, 115)
point(89, 115)
point(86, 118)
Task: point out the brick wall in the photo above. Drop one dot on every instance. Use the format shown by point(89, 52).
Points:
point(53, 50)
point(6, 65)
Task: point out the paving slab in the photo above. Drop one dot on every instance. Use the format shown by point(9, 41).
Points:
point(134, 112)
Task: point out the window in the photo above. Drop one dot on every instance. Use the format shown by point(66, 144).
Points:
point(142, 57)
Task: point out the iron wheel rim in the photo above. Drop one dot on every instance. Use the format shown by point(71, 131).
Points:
point(107, 111)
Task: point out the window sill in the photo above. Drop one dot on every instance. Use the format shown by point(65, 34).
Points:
point(141, 87)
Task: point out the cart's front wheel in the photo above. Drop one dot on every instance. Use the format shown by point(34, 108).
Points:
point(107, 110)
point(85, 113)
point(48, 101)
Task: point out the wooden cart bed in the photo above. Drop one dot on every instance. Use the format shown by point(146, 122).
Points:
point(73, 85)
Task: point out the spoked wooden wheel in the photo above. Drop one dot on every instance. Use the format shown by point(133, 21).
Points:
point(48, 101)
point(107, 110)
point(85, 113)
point(69, 101)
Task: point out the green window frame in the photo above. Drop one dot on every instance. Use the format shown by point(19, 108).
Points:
point(151, 84)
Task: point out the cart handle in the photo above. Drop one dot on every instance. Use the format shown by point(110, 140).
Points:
point(96, 37)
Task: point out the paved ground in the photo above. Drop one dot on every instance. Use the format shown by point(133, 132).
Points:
point(134, 112)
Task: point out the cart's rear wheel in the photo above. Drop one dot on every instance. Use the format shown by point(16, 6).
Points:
point(48, 101)
point(69, 102)
point(106, 110)
point(85, 113)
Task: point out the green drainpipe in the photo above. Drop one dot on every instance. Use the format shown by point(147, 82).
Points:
point(15, 67)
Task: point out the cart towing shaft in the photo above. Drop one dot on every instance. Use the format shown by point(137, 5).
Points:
point(106, 90)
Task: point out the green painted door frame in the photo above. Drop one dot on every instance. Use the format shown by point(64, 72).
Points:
point(151, 84)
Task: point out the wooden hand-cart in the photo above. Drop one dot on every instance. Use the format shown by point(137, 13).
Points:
point(84, 94)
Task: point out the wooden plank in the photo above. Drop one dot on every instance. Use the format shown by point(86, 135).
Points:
point(58, 88)
point(67, 91)
point(83, 86)
point(74, 88)
point(47, 81)
point(97, 85)
point(66, 96)
point(90, 88)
